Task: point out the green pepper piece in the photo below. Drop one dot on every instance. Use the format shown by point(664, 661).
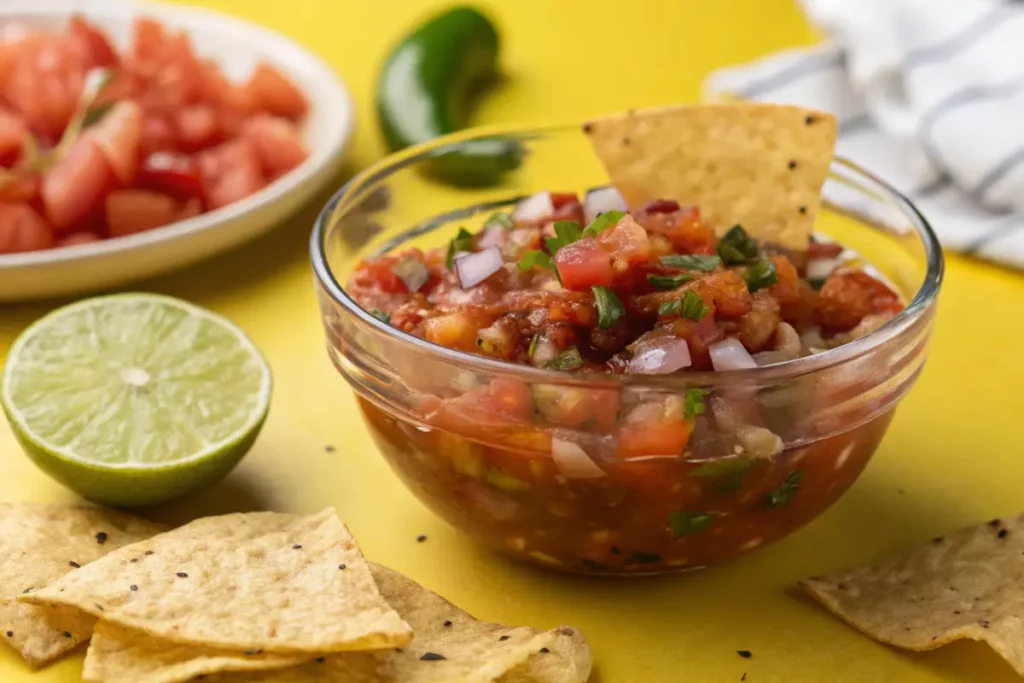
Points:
point(425, 90)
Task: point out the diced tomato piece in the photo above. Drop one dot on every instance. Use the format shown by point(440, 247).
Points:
point(174, 174)
point(277, 143)
point(510, 397)
point(699, 336)
point(824, 250)
point(132, 211)
point(560, 199)
point(271, 91)
point(196, 127)
point(44, 82)
point(684, 229)
point(379, 275)
point(729, 292)
point(12, 137)
point(149, 41)
point(192, 208)
point(843, 302)
point(22, 229)
point(74, 188)
point(91, 44)
point(165, 66)
point(230, 172)
point(158, 135)
point(796, 298)
point(583, 264)
point(119, 136)
point(626, 240)
point(661, 437)
point(24, 188)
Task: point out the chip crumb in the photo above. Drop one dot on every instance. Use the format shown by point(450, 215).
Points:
point(74, 564)
point(319, 660)
point(10, 634)
point(810, 119)
point(431, 657)
point(329, 448)
point(148, 552)
point(421, 538)
point(341, 566)
point(134, 560)
point(503, 638)
point(133, 588)
point(67, 634)
point(257, 651)
point(937, 539)
point(1003, 533)
point(744, 676)
point(792, 164)
point(995, 522)
point(297, 546)
point(746, 654)
point(447, 623)
point(544, 651)
point(101, 537)
point(181, 575)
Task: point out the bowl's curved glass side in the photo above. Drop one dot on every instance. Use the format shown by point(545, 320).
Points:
point(433, 414)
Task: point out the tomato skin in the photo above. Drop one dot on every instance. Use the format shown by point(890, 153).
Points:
point(92, 45)
point(626, 240)
point(272, 92)
point(684, 228)
point(583, 264)
point(119, 137)
point(663, 437)
point(174, 174)
point(132, 211)
point(22, 229)
point(277, 143)
point(230, 172)
point(74, 188)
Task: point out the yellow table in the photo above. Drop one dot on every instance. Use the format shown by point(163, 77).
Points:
point(953, 454)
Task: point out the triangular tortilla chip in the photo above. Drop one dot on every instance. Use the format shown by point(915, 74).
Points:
point(965, 585)
point(761, 166)
point(251, 582)
point(449, 647)
point(39, 543)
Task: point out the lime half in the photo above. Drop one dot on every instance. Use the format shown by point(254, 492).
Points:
point(133, 399)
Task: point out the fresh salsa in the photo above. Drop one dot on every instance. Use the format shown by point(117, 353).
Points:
point(560, 284)
point(604, 479)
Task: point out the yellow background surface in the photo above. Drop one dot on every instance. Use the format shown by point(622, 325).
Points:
point(953, 454)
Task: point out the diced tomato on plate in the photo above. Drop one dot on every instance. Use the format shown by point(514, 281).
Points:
point(230, 172)
point(272, 92)
point(277, 143)
point(22, 229)
point(132, 211)
point(583, 264)
point(75, 187)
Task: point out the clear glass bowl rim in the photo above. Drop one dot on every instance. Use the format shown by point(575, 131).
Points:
point(918, 307)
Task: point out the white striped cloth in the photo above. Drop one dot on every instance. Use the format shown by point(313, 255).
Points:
point(930, 97)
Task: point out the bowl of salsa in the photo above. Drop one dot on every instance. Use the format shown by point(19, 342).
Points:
point(603, 384)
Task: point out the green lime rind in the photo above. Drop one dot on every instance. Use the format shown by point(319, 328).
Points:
point(134, 399)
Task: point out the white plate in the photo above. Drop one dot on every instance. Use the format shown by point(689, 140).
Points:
point(237, 46)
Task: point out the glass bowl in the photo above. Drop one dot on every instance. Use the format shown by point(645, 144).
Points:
point(483, 442)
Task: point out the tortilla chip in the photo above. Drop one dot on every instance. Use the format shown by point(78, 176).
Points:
point(966, 585)
point(39, 543)
point(243, 582)
point(465, 650)
point(761, 166)
point(120, 655)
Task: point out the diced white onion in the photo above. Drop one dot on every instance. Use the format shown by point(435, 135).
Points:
point(573, 461)
point(493, 236)
point(533, 209)
point(602, 200)
point(545, 352)
point(730, 354)
point(472, 269)
point(661, 356)
point(758, 441)
point(821, 268)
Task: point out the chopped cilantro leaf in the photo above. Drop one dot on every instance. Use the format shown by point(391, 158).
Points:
point(737, 247)
point(760, 275)
point(463, 241)
point(693, 307)
point(566, 232)
point(535, 257)
point(781, 495)
point(570, 359)
point(674, 307)
point(670, 281)
point(609, 308)
point(383, 316)
point(694, 402)
point(501, 219)
point(816, 283)
point(602, 223)
point(687, 523)
point(691, 262)
point(412, 273)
